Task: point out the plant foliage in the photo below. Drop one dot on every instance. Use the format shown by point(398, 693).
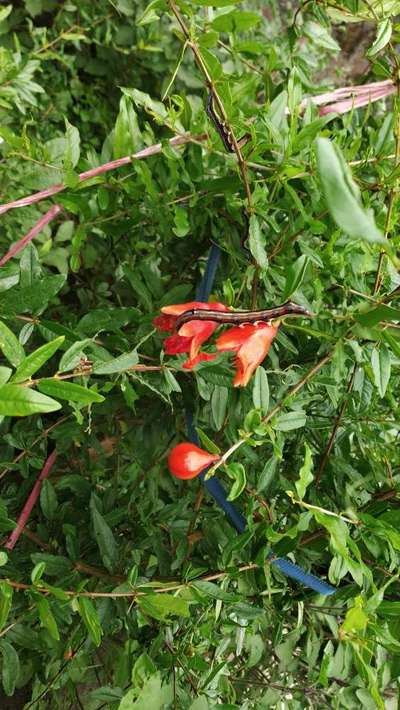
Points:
point(125, 588)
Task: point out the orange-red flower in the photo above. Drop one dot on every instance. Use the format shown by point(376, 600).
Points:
point(251, 342)
point(187, 460)
point(191, 335)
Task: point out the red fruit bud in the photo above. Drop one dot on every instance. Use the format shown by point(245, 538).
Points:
point(187, 460)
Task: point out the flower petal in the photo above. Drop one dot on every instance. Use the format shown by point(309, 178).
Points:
point(252, 353)
point(175, 344)
point(191, 363)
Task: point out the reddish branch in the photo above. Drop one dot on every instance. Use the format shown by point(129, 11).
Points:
point(33, 496)
point(100, 170)
point(21, 243)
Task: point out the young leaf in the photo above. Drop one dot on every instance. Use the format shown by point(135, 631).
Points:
point(10, 345)
point(305, 475)
point(236, 471)
point(104, 537)
point(18, 401)
point(261, 390)
point(90, 618)
point(295, 275)
point(381, 366)
point(219, 401)
point(257, 243)
point(383, 36)
point(35, 360)
point(117, 364)
point(342, 195)
point(10, 670)
point(69, 391)
point(6, 595)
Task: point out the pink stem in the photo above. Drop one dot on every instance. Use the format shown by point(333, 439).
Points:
point(37, 227)
point(94, 172)
point(33, 496)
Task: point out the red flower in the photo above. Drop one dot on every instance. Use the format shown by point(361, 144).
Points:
point(191, 335)
point(251, 342)
point(187, 460)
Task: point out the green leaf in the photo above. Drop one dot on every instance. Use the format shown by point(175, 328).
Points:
point(153, 695)
point(104, 537)
point(257, 243)
point(90, 618)
point(290, 420)
point(216, 3)
point(219, 402)
point(238, 473)
point(46, 615)
point(48, 500)
point(72, 357)
point(19, 401)
point(69, 391)
point(160, 606)
point(10, 345)
point(267, 475)
point(342, 195)
point(117, 364)
point(6, 595)
point(381, 366)
point(36, 360)
point(33, 299)
point(72, 150)
point(181, 222)
point(150, 14)
point(384, 33)
point(374, 316)
point(10, 670)
point(5, 374)
point(4, 13)
point(37, 572)
point(261, 390)
point(294, 276)
point(214, 591)
point(305, 475)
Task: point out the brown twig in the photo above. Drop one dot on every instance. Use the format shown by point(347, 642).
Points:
point(100, 170)
point(336, 425)
point(37, 227)
point(33, 496)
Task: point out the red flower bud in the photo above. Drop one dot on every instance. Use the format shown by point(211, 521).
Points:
point(187, 460)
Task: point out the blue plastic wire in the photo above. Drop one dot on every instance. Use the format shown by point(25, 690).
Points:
point(214, 487)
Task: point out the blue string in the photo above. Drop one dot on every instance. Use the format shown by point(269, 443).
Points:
point(214, 487)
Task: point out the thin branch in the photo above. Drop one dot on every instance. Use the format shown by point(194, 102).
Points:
point(134, 593)
point(44, 434)
point(210, 85)
point(313, 371)
point(37, 227)
point(336, 425)
point(33, 496)
point(100, 170)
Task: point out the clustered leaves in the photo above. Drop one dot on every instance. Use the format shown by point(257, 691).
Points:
point(124, 586)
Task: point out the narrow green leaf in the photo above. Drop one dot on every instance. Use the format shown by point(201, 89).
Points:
point(214, 591)
point(384, 33)
point(117, 364)
point(104, 537)
point(305, 475)
point(90, 618)
point(72, 357)
point(69, 391)
point(290, 420)
point(5, 374)
point(267, 475)
point(295, 275)
point(10, 345)
point(160, 606)
point(10, 670)
point(72, 151)
point(342, 195)
point(6, 595)
point(46, 615)
point(261, 390)
point(219, 401)
point(236, 471)
point(381, 366)
point(35, 360)
point(18, 401)
point(257, 243)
